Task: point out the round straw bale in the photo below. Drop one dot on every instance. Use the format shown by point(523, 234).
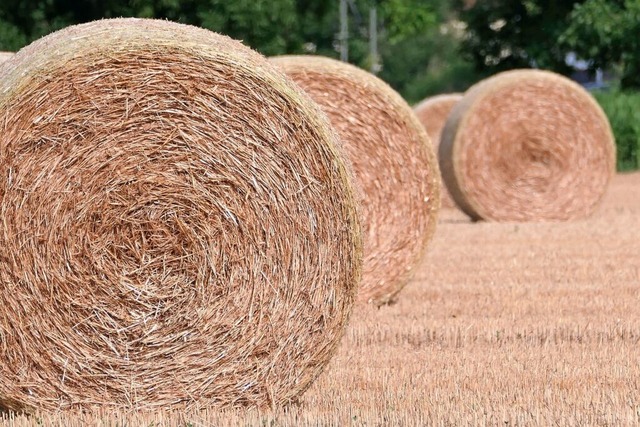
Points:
point(432, 113)
point(5, 55)
point(394, 164)
point(527, 145)
point(179, 227)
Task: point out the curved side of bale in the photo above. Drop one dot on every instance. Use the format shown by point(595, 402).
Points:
point(179, 224)
point(527, 145)
point(394, 164)
point(450, 176)
point(432, 113)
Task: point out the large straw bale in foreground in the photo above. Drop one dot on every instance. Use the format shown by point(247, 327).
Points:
point(394, 163)
point(178, 224)
point(433, 113)
point(527, 145)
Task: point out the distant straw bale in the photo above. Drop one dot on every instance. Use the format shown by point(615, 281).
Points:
point(179, 228)
point(394, 163)
point(432, 113)
point(527, 145)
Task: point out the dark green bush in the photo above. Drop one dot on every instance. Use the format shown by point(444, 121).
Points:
point(623, 111)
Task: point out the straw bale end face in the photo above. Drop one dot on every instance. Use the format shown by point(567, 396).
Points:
point(394, 164)
point(178, 224)
point(527, 145)
point(433, 113)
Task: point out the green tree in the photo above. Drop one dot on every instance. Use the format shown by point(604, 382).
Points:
point(507, 34)
point(414, 53)
point(427, 62)
point(267, 24)
point(11, 37)
point(426, 66)
point(607, 33)
point(407, 18)
point(21, 22)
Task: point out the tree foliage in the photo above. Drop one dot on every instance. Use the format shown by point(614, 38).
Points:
point(428, 63)
point(408, 18)
point(607, 33)
point(507, 34)
point(422, 59)
point(623, 111)
point(270, 25)
point(414, 53)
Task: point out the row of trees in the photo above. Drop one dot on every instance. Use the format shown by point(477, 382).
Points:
point(506, 34)
point(425, 46)
point(413, 53)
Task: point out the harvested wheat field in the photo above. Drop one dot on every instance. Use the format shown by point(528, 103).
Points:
point(504, 324)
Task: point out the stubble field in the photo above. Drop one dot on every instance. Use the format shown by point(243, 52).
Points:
point(503, 324)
